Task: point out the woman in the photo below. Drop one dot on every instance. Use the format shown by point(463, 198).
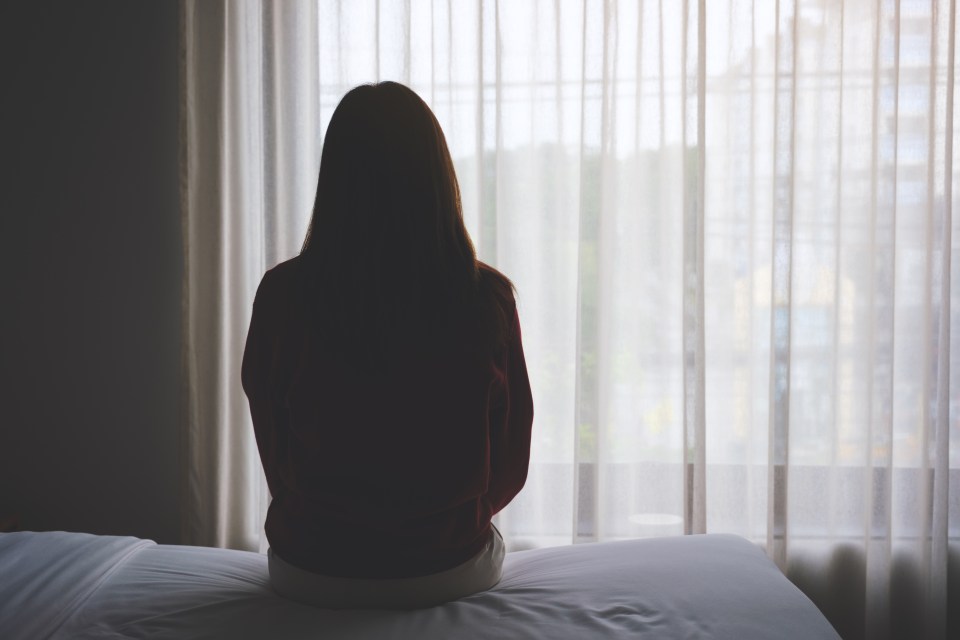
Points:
point(386, 376)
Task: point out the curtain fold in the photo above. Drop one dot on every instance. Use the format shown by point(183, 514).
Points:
point(730, 225)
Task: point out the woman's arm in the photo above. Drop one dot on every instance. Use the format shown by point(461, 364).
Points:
point(510, 427)
point(255, 373)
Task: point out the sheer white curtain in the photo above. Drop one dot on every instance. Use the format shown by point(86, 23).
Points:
point(731, 229)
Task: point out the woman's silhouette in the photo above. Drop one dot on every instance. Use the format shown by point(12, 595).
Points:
point(386, 376)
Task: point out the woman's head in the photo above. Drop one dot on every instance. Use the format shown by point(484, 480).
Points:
point(387, 244)
point(387, 186)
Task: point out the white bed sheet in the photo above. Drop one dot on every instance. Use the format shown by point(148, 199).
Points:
point(72, 585)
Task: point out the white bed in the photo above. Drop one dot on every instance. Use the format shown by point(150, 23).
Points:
point(75, 585)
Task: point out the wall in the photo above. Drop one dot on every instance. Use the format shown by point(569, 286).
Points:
point(90, 265)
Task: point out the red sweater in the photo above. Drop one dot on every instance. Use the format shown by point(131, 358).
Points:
point(390, 476)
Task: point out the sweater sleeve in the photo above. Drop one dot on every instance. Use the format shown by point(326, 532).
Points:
point(511, 421)
point(258, 359)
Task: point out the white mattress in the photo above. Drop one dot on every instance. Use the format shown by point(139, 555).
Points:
point(74, 585)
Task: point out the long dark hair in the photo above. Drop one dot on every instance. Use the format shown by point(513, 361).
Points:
point(388, 259)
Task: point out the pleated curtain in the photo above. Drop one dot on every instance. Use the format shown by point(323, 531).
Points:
point(730, 224)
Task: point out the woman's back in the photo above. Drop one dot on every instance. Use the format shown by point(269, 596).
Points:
point(397, 469)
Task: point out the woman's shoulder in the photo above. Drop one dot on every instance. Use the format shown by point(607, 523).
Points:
point(286, 270)
point(282, 275)
point(497, 288)
point(497, 283)
point(278, 283)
